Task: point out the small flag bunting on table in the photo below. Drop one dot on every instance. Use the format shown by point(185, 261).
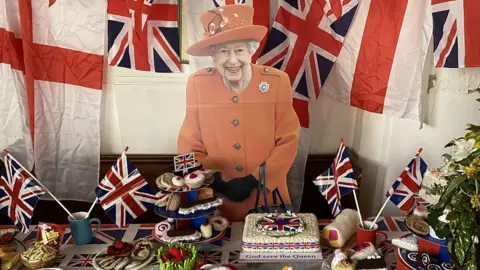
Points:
point(19, 194)
point(337, 181)
point(123, 193)
point(408, 184)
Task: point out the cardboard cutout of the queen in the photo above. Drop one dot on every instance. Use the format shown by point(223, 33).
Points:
point(239, 115)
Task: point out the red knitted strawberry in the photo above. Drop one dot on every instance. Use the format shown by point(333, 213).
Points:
point(174, 252)
point(110, 250)
point(119, 244)
point(178, 259)
point(198, 265)
point(164, 258)
point(183, 253)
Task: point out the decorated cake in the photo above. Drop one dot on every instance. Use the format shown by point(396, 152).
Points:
point(281, 232)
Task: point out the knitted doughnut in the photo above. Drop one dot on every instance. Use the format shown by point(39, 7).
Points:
point(218, 223)
point(194, 180)
point(178, 181)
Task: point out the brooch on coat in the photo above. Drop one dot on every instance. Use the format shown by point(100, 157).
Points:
point(263, 87)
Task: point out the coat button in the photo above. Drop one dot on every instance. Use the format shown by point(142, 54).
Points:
point(239, 168)
point(235, 99)
point(265, 69)
point(236, 122)
point(209, 69)
point(237, 146)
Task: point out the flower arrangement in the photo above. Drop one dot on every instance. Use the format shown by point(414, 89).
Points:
point(456, 215)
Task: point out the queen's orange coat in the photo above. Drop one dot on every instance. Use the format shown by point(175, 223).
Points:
point(234, 133)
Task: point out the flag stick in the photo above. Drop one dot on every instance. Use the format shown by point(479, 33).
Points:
point(389, 197)
point(96, 199)
point(48, 191)
point(358, 208)
point(380, 212)
point(91, 207)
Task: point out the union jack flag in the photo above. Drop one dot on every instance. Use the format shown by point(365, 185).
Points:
point(19, 194)
point(405, 188)
point(304, 41)
point(455, 33)
point(123, 193)
point(143, 35)
point(184, 162)
point(337, 181)
point(281, 224)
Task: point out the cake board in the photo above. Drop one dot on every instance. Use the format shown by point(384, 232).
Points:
point(277, 237)
point(287, 256)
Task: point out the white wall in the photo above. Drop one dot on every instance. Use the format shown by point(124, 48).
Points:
point(145, 110)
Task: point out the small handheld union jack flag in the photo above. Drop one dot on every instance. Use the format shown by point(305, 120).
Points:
point(337, 181)
point(19, 194)
point(123, 193)
point(403, 191)
point(184, 162)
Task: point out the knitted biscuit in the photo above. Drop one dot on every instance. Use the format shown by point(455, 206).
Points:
point(162, 199)
point(341, 229)
point(174, 202)
point(417, 225)
point(165, 180)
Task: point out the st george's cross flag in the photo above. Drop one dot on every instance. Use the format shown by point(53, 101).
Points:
point(456, 36)
point(123, 193)
point(144, 35)
point(19, 193)
point(304, 41)
point(337, 181)
point(408, 184)
point(51, 74)
point(193, 11)
point(381, 67)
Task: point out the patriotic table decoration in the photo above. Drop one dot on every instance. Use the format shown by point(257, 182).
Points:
point(123, 193)
point(19, 194)
point(184, 162)
point(338, 181)
point(405, 189)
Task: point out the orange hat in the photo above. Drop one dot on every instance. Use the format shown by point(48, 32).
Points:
point(227, 23)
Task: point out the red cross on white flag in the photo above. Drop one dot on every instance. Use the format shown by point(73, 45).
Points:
point(51, 71)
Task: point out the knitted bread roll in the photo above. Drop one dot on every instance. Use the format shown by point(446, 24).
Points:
point(341, 229)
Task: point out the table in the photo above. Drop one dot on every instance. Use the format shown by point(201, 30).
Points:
point(74, 257)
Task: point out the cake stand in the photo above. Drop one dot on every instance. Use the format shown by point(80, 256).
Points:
point(191, 221)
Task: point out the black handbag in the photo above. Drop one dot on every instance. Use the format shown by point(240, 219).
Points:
point(262, 188)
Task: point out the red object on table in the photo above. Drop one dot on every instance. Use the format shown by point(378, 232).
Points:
point(366, 235)
point(54, 227)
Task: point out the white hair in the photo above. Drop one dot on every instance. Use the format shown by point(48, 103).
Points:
point(252, 46)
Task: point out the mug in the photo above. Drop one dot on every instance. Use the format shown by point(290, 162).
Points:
point(367, 235)
point(81, 228)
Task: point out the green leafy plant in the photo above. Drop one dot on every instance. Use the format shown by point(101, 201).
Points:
point(456, 215)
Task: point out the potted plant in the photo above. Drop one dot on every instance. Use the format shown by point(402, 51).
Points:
point(456, 215)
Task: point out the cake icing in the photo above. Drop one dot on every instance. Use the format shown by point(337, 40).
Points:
point(255, 238)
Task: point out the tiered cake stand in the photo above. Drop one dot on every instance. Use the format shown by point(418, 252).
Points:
point(191, 221)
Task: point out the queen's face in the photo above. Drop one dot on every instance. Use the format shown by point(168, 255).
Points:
point(232, 60)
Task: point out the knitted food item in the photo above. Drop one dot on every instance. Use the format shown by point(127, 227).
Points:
point(341, 229)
